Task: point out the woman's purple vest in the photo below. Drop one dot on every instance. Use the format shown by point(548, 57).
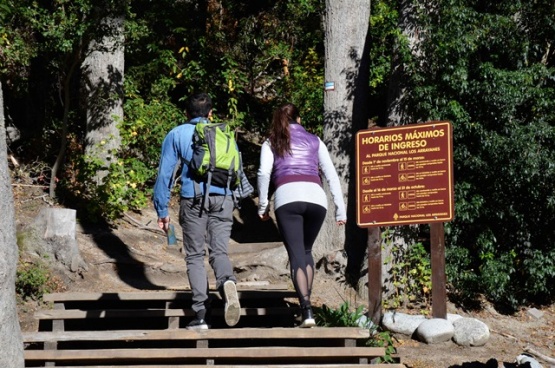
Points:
point(302, 163)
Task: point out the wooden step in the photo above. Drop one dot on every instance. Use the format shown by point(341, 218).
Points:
point(345, 333)
point(244, 294)
point(322, 365)
point(56, 314)
point(161, 309)
point(90, 330)
point(243, 354)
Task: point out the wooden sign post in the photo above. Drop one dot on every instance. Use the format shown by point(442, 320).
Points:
point(405, 177)
point(439, 293)
point(375, 275)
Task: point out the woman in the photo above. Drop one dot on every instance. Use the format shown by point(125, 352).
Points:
point(292, 159)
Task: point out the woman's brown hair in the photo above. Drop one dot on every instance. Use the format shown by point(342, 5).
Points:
point(280, 138)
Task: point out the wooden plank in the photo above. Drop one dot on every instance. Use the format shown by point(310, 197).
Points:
point(53, 314)
point(160, 295)
point(57, 325)
point(173, 322)
point(248, 366)
point(265, 352)
point(182, 334)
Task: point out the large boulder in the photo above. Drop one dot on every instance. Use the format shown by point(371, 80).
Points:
point(470, 332)
point(402, 323)
point(435, 330)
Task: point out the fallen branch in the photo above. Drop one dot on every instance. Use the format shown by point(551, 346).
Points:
point(14, 161)
point(143, 227)
point(546, 358)
point(504, 334)
point(29, 185)
point(148, 228)
point(44, 198)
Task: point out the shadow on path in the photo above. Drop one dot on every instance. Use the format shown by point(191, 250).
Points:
point(129, 269)
point(250, 229)
point(492, 363)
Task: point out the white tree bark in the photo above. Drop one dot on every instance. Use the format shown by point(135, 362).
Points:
point(345, 110)
point(103, 70)
point(11, 343)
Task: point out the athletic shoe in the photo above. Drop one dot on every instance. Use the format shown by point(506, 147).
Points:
point(232, 311)
point(308, 318)
point(197, 324)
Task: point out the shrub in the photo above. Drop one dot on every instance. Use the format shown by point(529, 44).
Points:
point(344, 316)
point(33, 280)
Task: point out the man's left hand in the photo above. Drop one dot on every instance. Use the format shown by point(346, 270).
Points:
point(164, 223)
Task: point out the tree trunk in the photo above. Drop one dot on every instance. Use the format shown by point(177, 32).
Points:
point(11, 343)
point(66, 90)
point(396, 115)
point(345, 112)
point(103, 70)
point(396, 91)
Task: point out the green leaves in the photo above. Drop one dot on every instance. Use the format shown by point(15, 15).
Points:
point(342, 317)
point(488, 68)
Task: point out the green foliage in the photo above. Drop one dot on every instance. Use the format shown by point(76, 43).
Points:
point(410, 274)
point(345, 316)
point(248, 57)
point(342, 317)
point(33, 280)
point(488, 67)
point(383, 339)
point(128, 184)
point(122, 190)
point(306, 81)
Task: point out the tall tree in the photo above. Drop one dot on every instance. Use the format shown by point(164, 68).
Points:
point(408, 25)
point(11, 344)
point(345, 110)
point(103, 70)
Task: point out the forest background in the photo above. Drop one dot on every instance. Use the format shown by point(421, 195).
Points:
point(486, 66)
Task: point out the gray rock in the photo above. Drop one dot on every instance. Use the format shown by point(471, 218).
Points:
point(536, 313)
point(402, 323)
point(435, 330)
point(470, 332)
point(453, 317)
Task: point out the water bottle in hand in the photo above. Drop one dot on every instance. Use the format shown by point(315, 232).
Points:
point(172, 240)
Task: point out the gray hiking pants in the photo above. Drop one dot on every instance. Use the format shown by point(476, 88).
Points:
point(213, 227)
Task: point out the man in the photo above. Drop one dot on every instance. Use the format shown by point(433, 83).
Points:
point(212, 224)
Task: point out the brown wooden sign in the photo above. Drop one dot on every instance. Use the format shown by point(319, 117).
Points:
point(405, 175)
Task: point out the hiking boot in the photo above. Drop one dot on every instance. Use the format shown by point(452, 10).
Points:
point(232, 310)
point(308, 318)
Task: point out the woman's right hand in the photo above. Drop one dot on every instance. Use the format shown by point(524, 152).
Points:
point(264, 217)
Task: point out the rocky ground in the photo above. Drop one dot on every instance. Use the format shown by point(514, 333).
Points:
point(134, 256)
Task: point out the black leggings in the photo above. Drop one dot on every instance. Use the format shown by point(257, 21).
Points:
point(299, 224)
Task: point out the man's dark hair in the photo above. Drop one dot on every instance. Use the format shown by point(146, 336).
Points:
point(199, 105)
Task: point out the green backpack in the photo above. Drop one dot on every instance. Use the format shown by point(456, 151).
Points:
point(216, 158)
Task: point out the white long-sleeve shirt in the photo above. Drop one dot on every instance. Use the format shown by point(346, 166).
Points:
point(300, 191)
